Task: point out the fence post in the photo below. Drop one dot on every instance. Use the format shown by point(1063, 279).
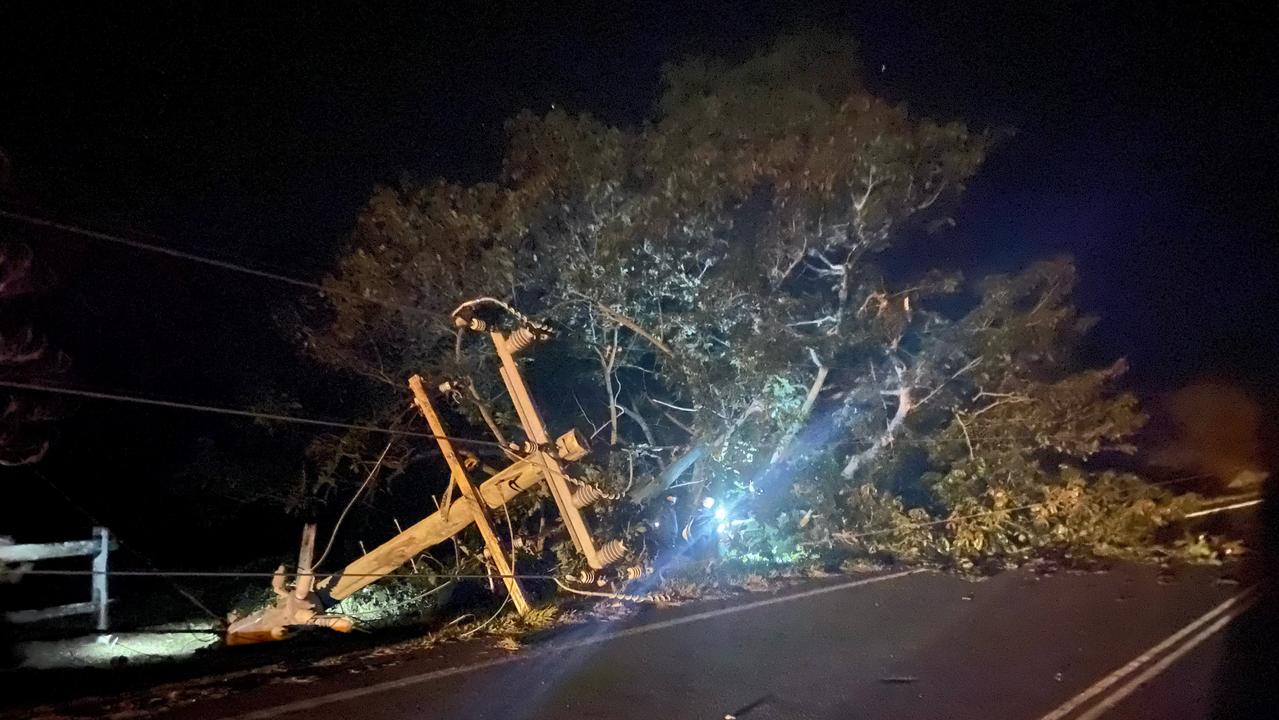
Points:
point(100, 598)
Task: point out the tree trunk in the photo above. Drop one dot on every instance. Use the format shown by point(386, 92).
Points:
point(643, 424)
point(690, 457)
point(857, 460)
point(608, 365)
point(810, 400)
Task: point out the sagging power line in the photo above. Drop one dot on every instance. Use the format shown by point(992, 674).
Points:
point(201, 259)
point(263, 574)
point(542, 576)
point(255, 272)
point(234, 412)
point(998, 511)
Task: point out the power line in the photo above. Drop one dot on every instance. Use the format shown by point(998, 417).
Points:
point(337, 525)
point(1224, 508)
point(254, 574)
point(235, 412)
point(225, 265)
point(235, 267)
point(192, 257)
point(115, 536)
point(523, 576)
point(986, 513)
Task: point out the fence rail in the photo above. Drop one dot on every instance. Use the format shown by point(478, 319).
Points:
point(98, 548)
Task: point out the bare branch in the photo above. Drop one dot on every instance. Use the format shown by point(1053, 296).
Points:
point(817, 321)
point(483, 409)
point(857, 460)
point(967, 438)
point(932, 198)
point(630, 324)
point(608, 359)
point(639, 420)
point(1009, 399)
point(677, 423)
point(663, 403)
point(810, 399)
point(958, 372)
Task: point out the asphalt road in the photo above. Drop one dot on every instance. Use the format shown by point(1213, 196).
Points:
point(921, 645)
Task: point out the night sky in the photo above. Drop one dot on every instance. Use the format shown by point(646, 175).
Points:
point(1144, 147)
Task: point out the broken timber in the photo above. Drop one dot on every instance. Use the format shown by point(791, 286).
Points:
point(479, 512)
point(506, 347)
point(431, 530)
point(539, 461)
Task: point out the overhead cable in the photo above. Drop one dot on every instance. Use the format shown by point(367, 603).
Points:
point(192, 257)
point(236, 412)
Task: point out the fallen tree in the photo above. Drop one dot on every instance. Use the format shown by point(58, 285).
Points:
point(728, 330)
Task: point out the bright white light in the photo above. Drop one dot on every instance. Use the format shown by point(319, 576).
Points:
point(721, 514)
point(104, 650)
point(723, 528)
point(708, 502)
point(657, 523)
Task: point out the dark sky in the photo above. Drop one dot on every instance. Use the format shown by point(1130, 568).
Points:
point(1144, 147)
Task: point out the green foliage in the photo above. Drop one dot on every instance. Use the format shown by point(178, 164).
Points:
point(395, 602)
point(1109, 514)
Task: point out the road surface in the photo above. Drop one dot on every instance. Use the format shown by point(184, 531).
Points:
point(1126, 643)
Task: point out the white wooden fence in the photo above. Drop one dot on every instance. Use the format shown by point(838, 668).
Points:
point(98, 548)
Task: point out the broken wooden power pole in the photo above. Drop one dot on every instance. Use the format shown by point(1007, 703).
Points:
point(507, 346)
point(289, 611)
point(541, 461)
point(505, 567)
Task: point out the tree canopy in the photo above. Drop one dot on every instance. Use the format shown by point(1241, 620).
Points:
point(728, 327)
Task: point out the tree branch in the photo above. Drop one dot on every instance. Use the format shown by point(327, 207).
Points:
point(678, 424)
point(663, 403)
point(484, 412)
point(648, 432)
point(810, 399)
point(967, 438)
point(958, 372)
point(630, 324)
point(857, 460)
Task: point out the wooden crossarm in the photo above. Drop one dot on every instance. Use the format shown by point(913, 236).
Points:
point(431, 530)
point(505, 566)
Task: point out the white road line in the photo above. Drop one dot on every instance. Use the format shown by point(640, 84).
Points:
point(343, 695)
point(1128, 688)
point(1136, 664)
